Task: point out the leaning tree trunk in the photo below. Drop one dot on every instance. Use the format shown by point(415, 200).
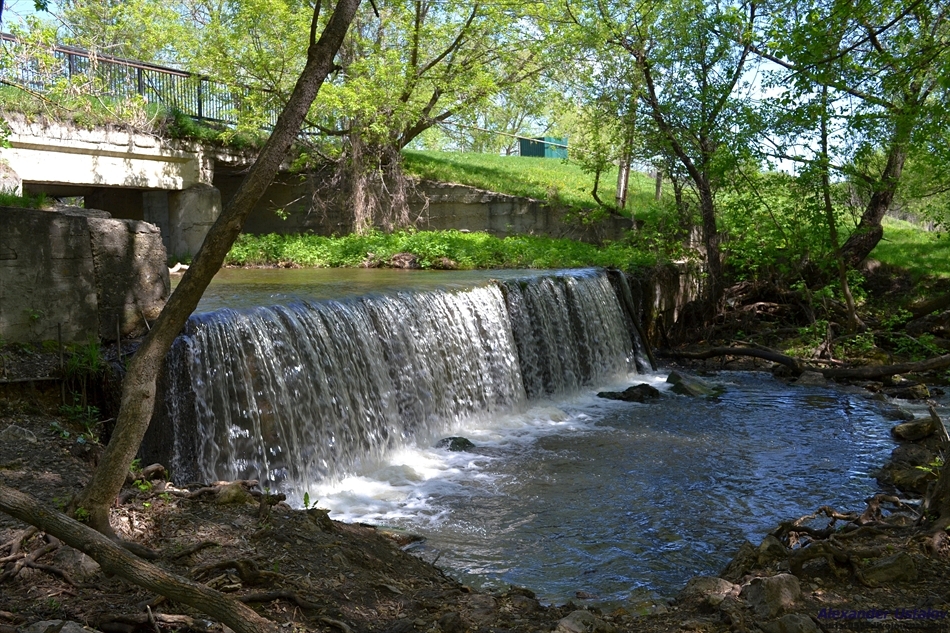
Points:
point(116, 561)
point(138, 388)
point(869, 231)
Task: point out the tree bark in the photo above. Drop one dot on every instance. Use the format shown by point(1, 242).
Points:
point(869, 231)
point(115, 560)
point(138, 388)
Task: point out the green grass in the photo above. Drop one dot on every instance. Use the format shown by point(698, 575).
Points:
point(922, 253)
point(548, 179)
point(28, 201)
point(467, 250)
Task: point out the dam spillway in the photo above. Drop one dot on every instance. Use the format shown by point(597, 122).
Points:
point(302, 393)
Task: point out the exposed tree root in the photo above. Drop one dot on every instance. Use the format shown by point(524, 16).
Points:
point(29, 560)
point(247, 570)
point(115, 560)
point(270, 596)
point(194, 549)
point(343, 626)
point(828, 543)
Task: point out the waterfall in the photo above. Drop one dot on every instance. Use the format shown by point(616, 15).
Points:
point(301, 393)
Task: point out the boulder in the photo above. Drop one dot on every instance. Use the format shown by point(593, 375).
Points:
point(745, 560)
point(914, 430)
point(233, 493)
point(898, 568)
point(583, 622)
point(405, 260)
point(686, 385)
point(771, 550)
point(902, 470)
point(812, 379)
point(14, 433)
point(791, 623)
point(893, 413)
point(79, 566)
point(56, 626)
point(908, 390)
point(451, 622)
point(708, 591)
point(770, 596)
point(636, 393)
point(456, 444)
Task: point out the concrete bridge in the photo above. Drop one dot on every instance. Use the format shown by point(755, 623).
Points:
point(128, 174)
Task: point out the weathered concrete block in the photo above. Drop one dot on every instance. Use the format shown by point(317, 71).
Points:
point(126, 250)
point(70, 270)
point(190, 215)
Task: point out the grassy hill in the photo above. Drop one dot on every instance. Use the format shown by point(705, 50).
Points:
point(550, 179)
point(908, 246)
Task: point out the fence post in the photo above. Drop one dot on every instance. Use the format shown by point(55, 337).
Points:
point(200, 112)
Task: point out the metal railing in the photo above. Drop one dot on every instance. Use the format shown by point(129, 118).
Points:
point(197, 96)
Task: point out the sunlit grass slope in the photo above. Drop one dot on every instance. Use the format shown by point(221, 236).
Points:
point(548, 179)
point(918, 251)
point(466, 250)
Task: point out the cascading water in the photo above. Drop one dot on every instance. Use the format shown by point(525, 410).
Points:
point(293, 395)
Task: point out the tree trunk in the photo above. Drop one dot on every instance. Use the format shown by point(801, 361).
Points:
point(714, 279)
point(869, 230)
point(115, 560)
point(138, 388)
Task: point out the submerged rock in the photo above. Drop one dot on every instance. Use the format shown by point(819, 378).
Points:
point(636, 393)
point(686, 385)
point(456, 444)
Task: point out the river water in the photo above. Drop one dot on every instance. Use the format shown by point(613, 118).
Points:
point(564, 492)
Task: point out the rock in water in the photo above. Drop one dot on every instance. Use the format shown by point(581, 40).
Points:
point(914, 430)
point(456, 444)
point(691, 385)
point(812, 378)
point(636, 393)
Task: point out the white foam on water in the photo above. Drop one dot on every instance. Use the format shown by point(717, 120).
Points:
point(409, 487)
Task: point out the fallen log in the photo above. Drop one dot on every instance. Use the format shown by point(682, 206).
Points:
point(764, 353)
point(798, 366)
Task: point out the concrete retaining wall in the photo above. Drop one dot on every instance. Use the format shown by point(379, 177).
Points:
point(78, 271)
point(287, 207)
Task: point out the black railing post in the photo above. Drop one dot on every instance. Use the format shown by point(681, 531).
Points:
point(140, 82)
point(200, 111)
